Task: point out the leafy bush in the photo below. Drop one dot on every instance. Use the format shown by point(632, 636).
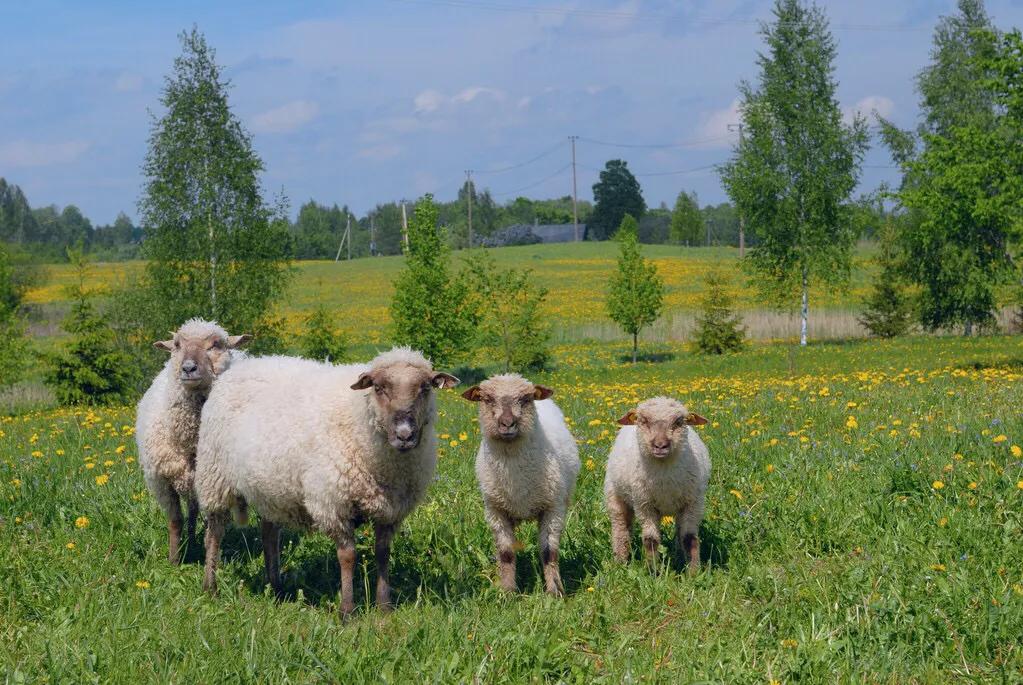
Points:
point(321, 339)
point(431, 311)
point(719, 328)
point(888, 312)
point(510, 313)
point(12, 330)
point(91, 370)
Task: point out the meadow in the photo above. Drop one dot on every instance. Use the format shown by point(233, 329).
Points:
point(863, 525)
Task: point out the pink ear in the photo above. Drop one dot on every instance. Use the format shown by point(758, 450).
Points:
point(473, 394)
point(365, 381)
point(164, 345)
point(695, 420)
point(541, 392)
point(444, 380)
point(234, 341)
point(629, 419)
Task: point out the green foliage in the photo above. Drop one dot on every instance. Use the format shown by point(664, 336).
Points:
point(321, 339)
point(318, 230)
point(888, 311)
point(687, 227)
point(797, 164)
point(616, 194)
point(91, 369)
point(512, 320)
point(431, 311)
point(635, 293)
point(214, 248)
point(12, 329)
point(719, 327)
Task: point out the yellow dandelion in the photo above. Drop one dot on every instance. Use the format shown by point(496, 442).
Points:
point(37, 454)
point(81, 522)
point(937, 567)
point(1019, 484)
point(120, 449)
point(590, 465)
point(102, 479)
point(972, 486)
point(999, 438)
point(667, 520)
point(594, 422)
point(943, 521)
point(1016, 451)
point(463, 436)
point(937, 485)
point(142, 584)
point(453, 443)
point(70, 545)
point(769, 468)
point(736, 494)
point(108, 462)
point(445, 436)
point(90, 465)
point(59, 453)
point(851, 423)
point(789, 643)
point(590, 589)
point(772, 442)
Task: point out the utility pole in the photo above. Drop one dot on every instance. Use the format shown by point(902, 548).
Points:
point(469, 192)
point(742, 219)
point(404, 226)
point(347, 236)
point(575, 201)
point(372, 235)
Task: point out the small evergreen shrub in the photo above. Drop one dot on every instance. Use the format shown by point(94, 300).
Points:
point(719, 327)
point(888, 311)
point(321, 339)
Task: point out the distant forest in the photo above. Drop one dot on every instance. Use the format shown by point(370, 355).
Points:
point(47, 232)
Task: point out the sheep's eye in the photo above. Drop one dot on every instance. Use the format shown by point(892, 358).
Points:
point(489, 401)
point(217, 344)
point(680, 421)
point(177, 345)
point(378, 388)
point(525, 400)
point(424, 388)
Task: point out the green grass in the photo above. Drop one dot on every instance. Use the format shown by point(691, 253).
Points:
point(830, 554)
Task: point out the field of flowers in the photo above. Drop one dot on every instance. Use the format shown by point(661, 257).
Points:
point(864, 523)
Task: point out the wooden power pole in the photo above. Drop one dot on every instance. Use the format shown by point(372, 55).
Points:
point(404, 226)
point(742, 219)
point(575, 201)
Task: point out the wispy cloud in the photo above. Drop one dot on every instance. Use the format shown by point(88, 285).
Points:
point(24, 153)
point(380, 153)
point(129, 82)
point(285, 118)
point(868, 105)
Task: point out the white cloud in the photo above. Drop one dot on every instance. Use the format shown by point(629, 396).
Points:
point(128, 82)
point(868, 105)
point(380, 153)
point(470, 94)
point(285, 118)
point(715, 126)
point(22, 153)
point(428, 101)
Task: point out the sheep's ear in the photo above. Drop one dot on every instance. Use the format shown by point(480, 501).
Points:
point(473, 394)
point(629, 419)
point(164, 345)
point(365, 381)
point(695, 419)
point(234, 341)
point(444, 380)
point(541, 392)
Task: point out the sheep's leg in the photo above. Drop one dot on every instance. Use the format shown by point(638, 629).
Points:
point(650, 523)
point(346, 559)
point(551, 524)
point(270, 533)
point(170, 502)
point(383, 533)
point(216, 523)
point(621, 515)
point(687, 526)
point(193, 517)
point(504, 539)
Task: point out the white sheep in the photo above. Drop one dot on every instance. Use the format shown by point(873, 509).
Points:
point(658, 467)
point(300, 442)
point(167, 419)
point(526, 466)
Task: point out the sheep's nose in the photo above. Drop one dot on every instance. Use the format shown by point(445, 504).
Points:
point(404, 431)
point(661, 444)
point(189, 366)
point(508, 423)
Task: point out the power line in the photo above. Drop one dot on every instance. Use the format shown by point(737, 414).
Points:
point(529, 161)
point(662, 173)
point(536, 183)
point(684, 143)
point(611, 14)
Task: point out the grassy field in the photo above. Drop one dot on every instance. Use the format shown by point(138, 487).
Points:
point(864, 524)
point(361, 290)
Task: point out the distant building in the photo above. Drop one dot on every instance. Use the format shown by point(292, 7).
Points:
point(530, 234)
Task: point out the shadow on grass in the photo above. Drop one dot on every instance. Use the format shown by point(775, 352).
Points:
point(1007, 364)
point(650, 357)
point(470, 375)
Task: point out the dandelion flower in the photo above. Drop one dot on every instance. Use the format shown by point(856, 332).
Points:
point(943, 521)
point(789, 643)
point(463, 436)
point(102, 480)
point(769, 468)
point(851, 423)
point(736, 494)
point(120, 449)
point(594, 422)
point(590, 465)
point(81, 522)
point(70, 545)
point(937, 485)
point(972, 486)
point(667, 520)
point(142, 584)
point(37, 454)
point(1016, 451)
point(453, 443)
point(937, 567)
point(999, 438)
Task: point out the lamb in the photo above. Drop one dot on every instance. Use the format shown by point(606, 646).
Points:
point(290, 438)
point(658, 467)
point(167, 423)
point(526, 466)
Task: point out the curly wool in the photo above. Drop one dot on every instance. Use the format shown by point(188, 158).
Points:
point(291, 438)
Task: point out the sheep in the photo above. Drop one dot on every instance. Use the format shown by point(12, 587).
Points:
point(658, 466)
point(167, 418)
point(527, 465)
point(290, 438)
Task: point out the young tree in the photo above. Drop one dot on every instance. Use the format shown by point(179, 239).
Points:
point(431, 311)
point(719, 328)
point(510, 307)
point(322, 340)
point(795, 168)
point(687, 225)
point(635, 293)
point(616, 194)
point(12, 329)
point(91, 370)
point(214, 248)
point(887, 310)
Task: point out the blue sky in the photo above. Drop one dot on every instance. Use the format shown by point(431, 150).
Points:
point(361, 103)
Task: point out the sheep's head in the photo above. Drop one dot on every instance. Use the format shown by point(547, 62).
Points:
point(661, 425)
point(403, 381)
point(507, 408)
point(201, 351)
